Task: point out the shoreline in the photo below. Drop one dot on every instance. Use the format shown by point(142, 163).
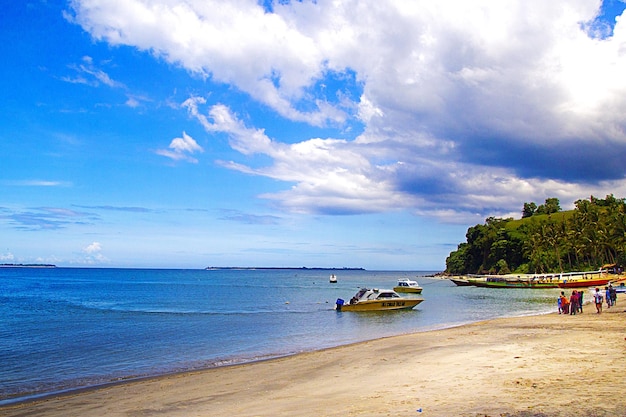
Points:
point(62, 392)
point(506, 366)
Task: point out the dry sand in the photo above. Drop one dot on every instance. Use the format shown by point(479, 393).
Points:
point(550, 365)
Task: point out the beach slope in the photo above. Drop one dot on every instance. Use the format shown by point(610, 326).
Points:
point(550, 365)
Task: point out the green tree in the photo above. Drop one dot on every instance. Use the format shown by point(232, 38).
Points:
point(529, 209)
point(552, 205)
point(456, 262)
point(502, 267)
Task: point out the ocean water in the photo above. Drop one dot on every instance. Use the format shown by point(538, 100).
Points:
point(69, 328)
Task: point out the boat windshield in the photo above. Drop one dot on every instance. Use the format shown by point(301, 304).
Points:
point(388, 294)
point(361, 293)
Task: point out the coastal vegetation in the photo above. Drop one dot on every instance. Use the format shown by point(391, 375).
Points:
point(546, 239)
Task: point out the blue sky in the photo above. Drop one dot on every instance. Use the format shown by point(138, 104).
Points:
point(171, 133)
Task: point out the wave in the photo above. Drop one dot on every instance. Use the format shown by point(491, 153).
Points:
point(156, 310)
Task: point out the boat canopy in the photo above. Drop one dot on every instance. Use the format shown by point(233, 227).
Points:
point(374, 294)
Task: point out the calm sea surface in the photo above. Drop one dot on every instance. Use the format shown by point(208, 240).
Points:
point(66, 328)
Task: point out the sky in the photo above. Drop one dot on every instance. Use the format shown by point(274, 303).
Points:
point(372, 134)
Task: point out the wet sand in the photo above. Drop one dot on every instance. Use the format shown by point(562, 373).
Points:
point(549, 365)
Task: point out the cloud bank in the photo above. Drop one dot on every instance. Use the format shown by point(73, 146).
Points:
point(466, 108)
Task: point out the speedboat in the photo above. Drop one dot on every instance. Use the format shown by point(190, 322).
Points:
point(333, 279)
point(409, 286)
point(377, 300)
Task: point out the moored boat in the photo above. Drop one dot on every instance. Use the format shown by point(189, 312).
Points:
point(600, 277)
point(408, 286)
point(333, 279)
point(585, 282)
point(461, 282)
point(511, 282)
point(377, 300)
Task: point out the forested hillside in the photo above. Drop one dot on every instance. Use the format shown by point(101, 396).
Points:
point(546, 239)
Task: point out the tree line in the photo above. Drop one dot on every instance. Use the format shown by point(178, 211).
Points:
point(546, 239)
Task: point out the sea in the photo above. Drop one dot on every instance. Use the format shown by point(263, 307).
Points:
point(63, 329)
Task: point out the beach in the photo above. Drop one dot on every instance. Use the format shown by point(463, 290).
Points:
point(546, 365)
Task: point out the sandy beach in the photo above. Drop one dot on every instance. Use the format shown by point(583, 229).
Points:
point(549, 365)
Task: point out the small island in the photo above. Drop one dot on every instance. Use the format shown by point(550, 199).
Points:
point(27, 266)
point(282, 268)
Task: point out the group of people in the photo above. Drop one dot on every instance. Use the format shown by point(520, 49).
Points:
point(610, 297)
point(574, 304)
point(571, 305)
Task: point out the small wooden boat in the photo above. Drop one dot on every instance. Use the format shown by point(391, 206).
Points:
point(585, 282)
point(377, 300)
point(461, 282)
point(408, 286)
point(598, 278)
point(510, 282)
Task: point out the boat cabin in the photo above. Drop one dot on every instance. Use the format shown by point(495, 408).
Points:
point(365, 294)
point(407, 283)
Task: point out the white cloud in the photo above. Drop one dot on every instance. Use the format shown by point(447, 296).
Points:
point(232, 42)
point(7, 257)
point(36, 183)
point(93, 247)
point(331, 175)
point(185, 144)
point(466, 106)
point(181, 149)
point(93, 255)
point(132, 102)
point(88, 73)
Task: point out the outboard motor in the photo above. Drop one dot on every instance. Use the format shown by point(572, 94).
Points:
point(339, 303)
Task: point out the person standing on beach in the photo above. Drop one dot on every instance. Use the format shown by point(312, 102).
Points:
point(580, 301)
point(613, 294)
point(559, 302)
point(607, 295)
point(597, 298)
point(564, 303)
point(573, 303)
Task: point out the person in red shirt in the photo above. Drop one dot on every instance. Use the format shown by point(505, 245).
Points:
point(573, 301)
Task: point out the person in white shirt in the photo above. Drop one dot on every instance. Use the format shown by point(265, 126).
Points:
point(597, 297)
